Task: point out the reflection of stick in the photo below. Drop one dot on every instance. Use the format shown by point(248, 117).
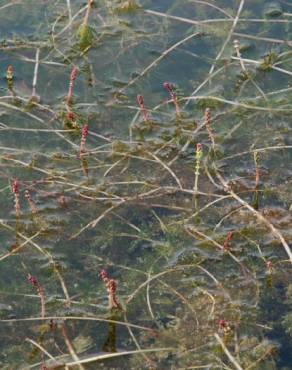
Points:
point(256, 158)
point(30, 202)
point(35, 75)
point(208, 123)
point(70, 346)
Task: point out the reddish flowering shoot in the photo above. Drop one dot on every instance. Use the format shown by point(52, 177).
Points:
point(9, 74)
point(71, 116)
point(226, 244)
point(270, 267)
point(73, 77)
point(84, 135)
point(198, 157)
point(31, 203)
point(35, 283)
point(144, 111)
point(111, 286)
point(169, 87)
point(224, 326)
point(15, 191)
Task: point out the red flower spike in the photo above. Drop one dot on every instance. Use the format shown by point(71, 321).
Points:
point(199, 147)
point(104, 275)
point(111, 286)
point(33, 280)
point(15, 187)
point(227, 241)
point(169, 87)
point(30, 202)
point(73, 77)
point(15, 190)
point(9, 73)
point(71, 116)
point(222, 324)
point(83, 139)
point(140, 101)
point(85, 131)
point(269, 265)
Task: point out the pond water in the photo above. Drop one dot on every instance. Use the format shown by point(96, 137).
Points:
point(182, 195)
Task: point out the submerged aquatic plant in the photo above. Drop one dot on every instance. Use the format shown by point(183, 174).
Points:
point(84, 135)
point(198, 158)
point(144, 111)
point(15, 191)
point(9, 75)
point(111, 286)
point(85, 33)
point(169, 87)
point(31, 203)
point(226, 244)
point(41, 292)
point(73, 77)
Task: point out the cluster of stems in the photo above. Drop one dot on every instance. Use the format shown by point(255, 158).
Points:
point(144, 111)
point(111, 286)
point(198, 157)
point(208, 123)
point(226, 244)
point(41, 292)
point(169, 87)
point(15, 191)
point(84, 135)
point(30, 202)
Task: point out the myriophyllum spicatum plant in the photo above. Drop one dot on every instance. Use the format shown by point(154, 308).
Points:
point(111, 286)
point(41, 292)
point(169, 87)
point(208, 123)
point(84, 135)
point(73, 77)
point(198, 158)
point(30, 202)
point(9, 75)
point(15, 191)
point(226, 244)
point(144, 111)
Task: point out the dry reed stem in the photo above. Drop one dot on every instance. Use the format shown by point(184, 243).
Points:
point(228, 354)
point(70, 347)
point(239, 10)
point(41, 348)
point(156, 61)
point(78, 318)
point(259, 216)
point(118, 354)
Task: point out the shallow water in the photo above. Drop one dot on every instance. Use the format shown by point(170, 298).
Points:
point(190, 297)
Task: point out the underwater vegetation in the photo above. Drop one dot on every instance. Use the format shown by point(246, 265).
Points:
point(145, 151)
